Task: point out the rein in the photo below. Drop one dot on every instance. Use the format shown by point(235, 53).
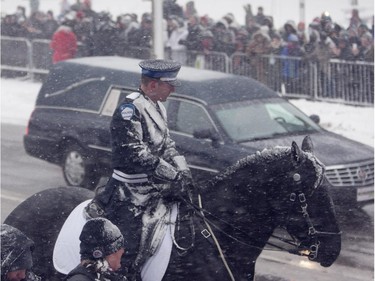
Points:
point(201, 213)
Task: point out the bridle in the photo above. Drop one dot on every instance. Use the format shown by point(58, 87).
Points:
point(313, 234)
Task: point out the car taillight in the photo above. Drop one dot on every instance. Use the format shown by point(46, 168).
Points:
point(28, 123)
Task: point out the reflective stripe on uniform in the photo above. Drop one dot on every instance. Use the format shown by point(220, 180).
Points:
point(134, 178)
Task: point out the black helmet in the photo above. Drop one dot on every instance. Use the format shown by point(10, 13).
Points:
point(100, 238)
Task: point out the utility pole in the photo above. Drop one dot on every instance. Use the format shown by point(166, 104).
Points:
point(302, 17)
point(302, 13)
point(157, 13)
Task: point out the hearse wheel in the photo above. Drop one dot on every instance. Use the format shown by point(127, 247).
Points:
point(77, 171)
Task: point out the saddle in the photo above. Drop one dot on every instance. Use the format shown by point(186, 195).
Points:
point(66, 251)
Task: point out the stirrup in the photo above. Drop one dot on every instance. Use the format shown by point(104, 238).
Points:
point(93, 210)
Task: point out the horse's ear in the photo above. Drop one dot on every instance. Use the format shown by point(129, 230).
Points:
point(295, 152)
point(307, 145)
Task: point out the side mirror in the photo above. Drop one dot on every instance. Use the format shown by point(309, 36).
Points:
point(315, 118)
point(208, 134)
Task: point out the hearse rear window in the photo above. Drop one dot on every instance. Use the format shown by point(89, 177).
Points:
point(114, 97)
point(86, 94)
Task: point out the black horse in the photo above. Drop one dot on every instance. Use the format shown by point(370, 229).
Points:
point(283, 187)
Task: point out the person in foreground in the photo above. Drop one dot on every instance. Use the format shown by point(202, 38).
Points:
point(16, 255)
point(101, 249)
point(149, 175)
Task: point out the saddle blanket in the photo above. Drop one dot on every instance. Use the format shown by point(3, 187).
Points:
point(66, 251)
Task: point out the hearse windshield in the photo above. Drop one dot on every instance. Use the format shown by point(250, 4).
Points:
point(262, 119)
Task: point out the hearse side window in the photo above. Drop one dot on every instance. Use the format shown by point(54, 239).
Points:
point(192, 117)
point(87, 97)
point(115, 96)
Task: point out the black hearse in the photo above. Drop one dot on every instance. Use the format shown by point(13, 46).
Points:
point(215, 119)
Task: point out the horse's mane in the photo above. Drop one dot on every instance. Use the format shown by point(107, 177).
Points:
point(259, 158)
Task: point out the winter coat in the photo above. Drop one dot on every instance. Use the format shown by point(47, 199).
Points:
point(193, 39)
point(178, 51)
point(49, 28)
point(291, 67)
point(95, 270)
point(289, 28)
point(366, 54)
point(16, 249)
point(63, 44)
point(13, 30)
point(321, 53)
point(104, 39)
point(141, 37)
point(260, 44)
point(140, 139)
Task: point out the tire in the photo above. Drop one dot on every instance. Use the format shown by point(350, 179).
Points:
point(76, 169)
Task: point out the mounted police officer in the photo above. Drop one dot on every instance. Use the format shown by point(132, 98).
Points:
point(149, 176)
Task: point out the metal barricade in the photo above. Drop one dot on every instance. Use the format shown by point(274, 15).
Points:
point(16, 59)
point(352, 82)
point(335, 80)
point(212, 61)
point(41, 54)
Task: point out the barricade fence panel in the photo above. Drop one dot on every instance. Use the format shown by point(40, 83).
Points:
point(15, 56)
point(41, 54)
point(335, 80)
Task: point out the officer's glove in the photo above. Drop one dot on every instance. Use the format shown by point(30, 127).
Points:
point(180, 187)
point(185, 179)
point(186, 182)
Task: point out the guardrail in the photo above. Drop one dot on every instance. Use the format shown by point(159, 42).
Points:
point(335, 80)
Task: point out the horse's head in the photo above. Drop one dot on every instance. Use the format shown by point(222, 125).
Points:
point(309, 214)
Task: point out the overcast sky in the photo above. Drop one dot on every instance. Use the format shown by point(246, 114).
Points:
point(281, 10)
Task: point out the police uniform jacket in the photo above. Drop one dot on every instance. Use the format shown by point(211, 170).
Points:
point(142, 150)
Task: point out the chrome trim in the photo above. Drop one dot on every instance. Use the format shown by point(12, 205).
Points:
point(192, 137)
point(67, 108)
point(202, 168)
point(74, 85)
point(99, 147)
point(352, 175)
point(186, 97)
point(350, 165)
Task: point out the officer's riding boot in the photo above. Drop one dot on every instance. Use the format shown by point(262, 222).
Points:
point(95, 208)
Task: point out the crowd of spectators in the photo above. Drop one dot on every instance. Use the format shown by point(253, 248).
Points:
point(186, 30)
